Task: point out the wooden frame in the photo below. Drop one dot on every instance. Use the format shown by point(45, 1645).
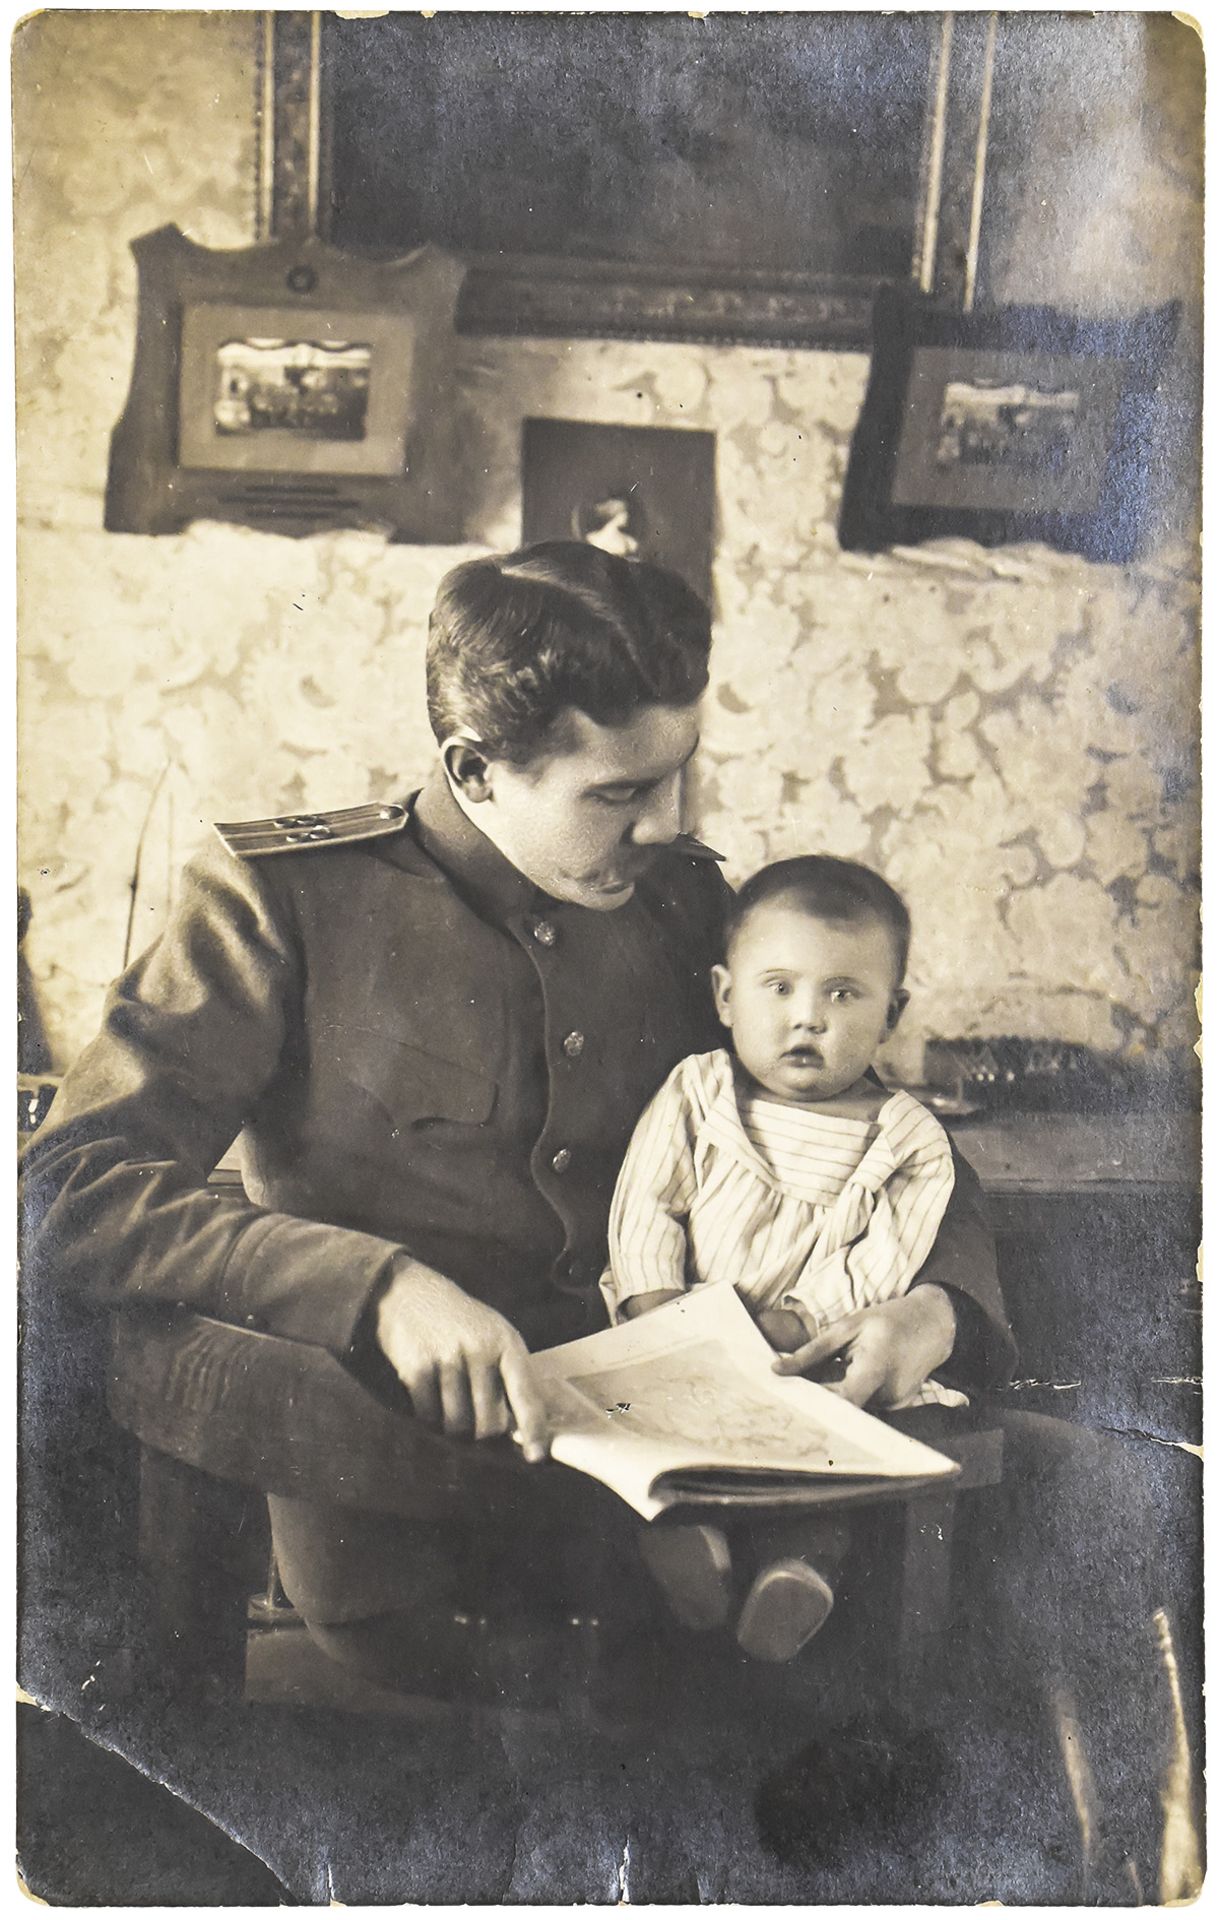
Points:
point(174, 458)
point(559, 297)
point(556, 298)
point(562, 297)
point(1018, 424)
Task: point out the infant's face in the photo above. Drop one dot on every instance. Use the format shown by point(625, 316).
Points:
point(808, 1001)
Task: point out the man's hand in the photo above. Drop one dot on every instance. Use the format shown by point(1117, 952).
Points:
point(889, 1350)
point(466, 1369)
point(637, 1303)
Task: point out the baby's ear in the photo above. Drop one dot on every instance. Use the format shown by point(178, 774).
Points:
point(721, 987)
point(897, 1006)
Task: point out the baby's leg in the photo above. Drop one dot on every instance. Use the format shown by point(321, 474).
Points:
point(791, 1597)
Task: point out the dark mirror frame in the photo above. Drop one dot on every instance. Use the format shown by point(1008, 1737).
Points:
point(556, 296)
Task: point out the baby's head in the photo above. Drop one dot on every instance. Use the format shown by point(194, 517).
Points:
point(815, 955)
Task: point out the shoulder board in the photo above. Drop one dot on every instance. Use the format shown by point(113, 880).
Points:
point(293, 832)
point(694, 849)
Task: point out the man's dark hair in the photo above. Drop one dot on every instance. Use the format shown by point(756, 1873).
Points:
point(516, 637)
point(829, 889)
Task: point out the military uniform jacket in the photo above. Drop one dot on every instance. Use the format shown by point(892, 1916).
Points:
point(421, 1053)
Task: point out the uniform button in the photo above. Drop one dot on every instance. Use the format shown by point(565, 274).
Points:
point(573, 1045)
point(544, 933)
point(562, 1160)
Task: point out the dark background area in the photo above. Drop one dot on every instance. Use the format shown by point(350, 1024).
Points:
point(783, 142)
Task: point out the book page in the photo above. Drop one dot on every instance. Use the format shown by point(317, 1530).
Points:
point(691, 1387)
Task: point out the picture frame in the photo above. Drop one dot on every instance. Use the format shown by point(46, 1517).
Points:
point(1003, 425)
point(290, 387)
point(824, 122)
point(646, 491)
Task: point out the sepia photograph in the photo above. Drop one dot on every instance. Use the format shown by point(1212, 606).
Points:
point(643, 492)
point(988, 425)
point(306, 386)
point(609, 871)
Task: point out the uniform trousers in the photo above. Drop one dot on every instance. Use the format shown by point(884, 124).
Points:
point(1054, 1568)
point(382, 1525)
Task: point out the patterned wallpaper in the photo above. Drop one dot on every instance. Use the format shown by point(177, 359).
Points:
point(1009, 735)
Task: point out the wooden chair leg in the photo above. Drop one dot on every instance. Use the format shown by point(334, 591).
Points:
point(192, 1554)
point(924, 1587)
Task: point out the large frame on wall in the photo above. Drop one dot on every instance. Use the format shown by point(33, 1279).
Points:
point(327, 137)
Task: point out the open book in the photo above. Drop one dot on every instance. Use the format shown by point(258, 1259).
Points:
point(682, 1406)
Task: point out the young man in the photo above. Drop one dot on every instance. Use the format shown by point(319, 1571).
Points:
point(435, 1026)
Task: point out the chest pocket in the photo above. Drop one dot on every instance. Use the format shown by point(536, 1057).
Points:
point(414, 1087)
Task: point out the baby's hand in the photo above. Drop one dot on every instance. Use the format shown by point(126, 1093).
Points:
point(638, 1303)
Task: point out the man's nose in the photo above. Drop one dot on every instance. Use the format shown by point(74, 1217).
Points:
point(659, 821)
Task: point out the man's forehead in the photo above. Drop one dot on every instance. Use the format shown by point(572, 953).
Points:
point(653, 742)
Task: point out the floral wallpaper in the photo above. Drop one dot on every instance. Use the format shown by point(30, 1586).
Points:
point(1009, 735)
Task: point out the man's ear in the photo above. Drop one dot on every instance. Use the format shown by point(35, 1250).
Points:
point(898, 1003)
point(721, 987)
point(468, 766)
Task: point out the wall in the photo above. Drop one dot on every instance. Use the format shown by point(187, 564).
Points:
point(1010, 736)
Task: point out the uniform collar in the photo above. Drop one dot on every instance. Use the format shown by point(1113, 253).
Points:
point(494, 887)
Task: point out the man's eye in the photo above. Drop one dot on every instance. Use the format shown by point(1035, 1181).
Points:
point(618, 796)
point(842, 993)
point(781, 987)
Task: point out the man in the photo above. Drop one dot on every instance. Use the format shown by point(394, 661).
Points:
point(435, 1026)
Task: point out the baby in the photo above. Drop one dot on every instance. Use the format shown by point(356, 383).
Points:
point(786, 1169)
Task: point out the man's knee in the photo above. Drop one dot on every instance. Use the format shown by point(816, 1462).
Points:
point(1074, 1478)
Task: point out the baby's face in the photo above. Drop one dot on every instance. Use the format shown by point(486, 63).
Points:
point(808, 1001)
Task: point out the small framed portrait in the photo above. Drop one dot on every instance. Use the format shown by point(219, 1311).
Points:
point(634, 490)
point(1021, 423)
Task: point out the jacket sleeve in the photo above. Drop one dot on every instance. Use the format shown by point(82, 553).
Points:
point(962, 1261)
point(116, 1203)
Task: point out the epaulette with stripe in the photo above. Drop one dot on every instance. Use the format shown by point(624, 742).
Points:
point(695, 849)
point(293, 832)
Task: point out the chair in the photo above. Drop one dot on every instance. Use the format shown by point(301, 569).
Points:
point(224, 1416)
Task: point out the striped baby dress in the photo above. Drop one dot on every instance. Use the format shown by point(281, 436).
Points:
point(791, 1206)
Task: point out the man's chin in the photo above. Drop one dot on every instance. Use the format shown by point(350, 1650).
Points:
point(604, 898)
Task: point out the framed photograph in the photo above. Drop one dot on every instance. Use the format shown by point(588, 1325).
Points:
point(1017, 424)
point(268, 389)
point(634, 490)
point(290, 387)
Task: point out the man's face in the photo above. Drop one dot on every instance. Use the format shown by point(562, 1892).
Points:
point(808, 1000)
point(586, 817)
